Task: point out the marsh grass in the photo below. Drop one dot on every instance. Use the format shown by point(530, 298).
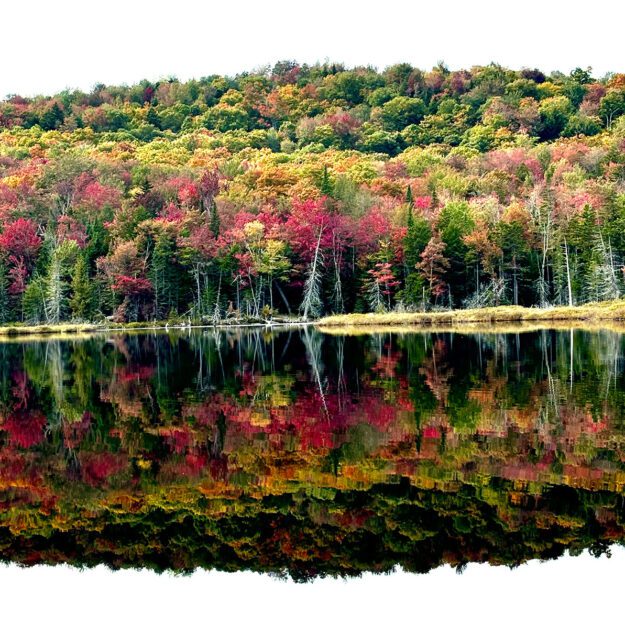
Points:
point(580, 316)
point(604, 315)
point(66, 328)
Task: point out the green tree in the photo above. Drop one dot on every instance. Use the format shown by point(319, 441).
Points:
point(215, 222)
point(417, 237)
point(52, 118)
point(325, 185)
point(81, 300)
point(164, 275)
point(612, 105)
point(402, 111)
point(224, 117)
point(454, 223)
point(554, 116)
point(33, 301)
point(152, 117)
point(5, 308)
point(62, 258)
point(511, 236)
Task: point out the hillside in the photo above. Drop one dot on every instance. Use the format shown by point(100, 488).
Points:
point(310, 190)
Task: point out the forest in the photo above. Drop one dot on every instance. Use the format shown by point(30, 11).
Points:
point(303, 191)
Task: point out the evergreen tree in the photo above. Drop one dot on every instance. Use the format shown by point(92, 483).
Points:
point(164, 276)
point(581, 234)
point(454, 223)
point(603, 281)
point(215, 224)
point(325, 186)
point(409, 201)
point(62, 257)
point(81, 301)
point(517, 265)
point(5, 309)
point(52, 118)
point(33, 301)
point(416, 239)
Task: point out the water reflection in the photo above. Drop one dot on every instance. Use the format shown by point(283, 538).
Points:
point(307, 454)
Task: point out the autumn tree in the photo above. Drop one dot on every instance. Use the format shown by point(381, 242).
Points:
point(209, 188)
point(125, 271)
point(485, 255)
point(433, 267)
point(381, 285)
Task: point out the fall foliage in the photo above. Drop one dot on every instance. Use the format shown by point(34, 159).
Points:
point(308, 190)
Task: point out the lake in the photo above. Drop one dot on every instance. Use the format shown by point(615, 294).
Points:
point(304, 455)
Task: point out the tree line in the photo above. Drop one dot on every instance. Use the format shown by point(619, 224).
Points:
point(522, 202)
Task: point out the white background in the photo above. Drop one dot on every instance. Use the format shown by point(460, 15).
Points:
point(46, 46)
point(568, 591)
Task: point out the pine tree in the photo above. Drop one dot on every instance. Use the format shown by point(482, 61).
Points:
point(163, 274)
point(603, 280)
point(5, 310)
point(375, 298)
point(409, 201)
point(62, 257)
point(582, 235)
point(326, 187)
point(81, 301)
point(52, 118)
point(510, 236)
point(417, 236)
point(33, 301)
point(214, 219)
point(454, 223)
point(415, 242)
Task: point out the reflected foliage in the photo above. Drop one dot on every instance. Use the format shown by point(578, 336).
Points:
point(303, 454)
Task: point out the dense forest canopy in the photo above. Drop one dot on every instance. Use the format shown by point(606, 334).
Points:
point(307, 190)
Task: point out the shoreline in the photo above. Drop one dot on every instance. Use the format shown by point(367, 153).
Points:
point(606, 315)
point(590, 314)
point(68, 330)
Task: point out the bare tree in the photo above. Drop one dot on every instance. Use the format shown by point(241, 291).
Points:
point(311, 303)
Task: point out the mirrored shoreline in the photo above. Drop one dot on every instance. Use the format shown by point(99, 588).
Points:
point(301, 454)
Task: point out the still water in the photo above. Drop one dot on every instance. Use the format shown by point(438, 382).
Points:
point(305, 455)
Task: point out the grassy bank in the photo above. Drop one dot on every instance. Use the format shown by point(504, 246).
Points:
point(593, 314)
point(608, 315)
point(67, 330)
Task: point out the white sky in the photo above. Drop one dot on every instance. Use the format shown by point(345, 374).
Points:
point(47, 46)
point(573, 591)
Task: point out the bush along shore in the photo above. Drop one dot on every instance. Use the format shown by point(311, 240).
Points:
point(609, 315)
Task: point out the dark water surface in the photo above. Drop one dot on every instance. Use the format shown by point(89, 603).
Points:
point(308, 454)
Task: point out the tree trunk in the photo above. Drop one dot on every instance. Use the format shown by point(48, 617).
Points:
point(568, 273)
